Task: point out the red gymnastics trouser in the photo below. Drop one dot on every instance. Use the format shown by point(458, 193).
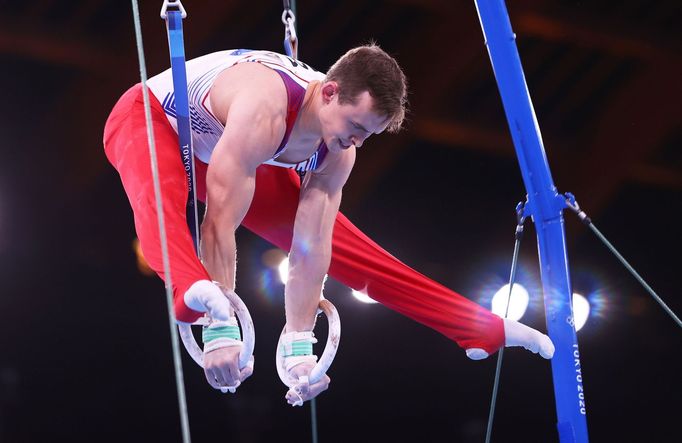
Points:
point(357, 261)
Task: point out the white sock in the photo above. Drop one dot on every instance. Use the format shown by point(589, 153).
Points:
point(517, 334)
point(476, 353)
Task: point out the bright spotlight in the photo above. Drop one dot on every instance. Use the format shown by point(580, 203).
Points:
point(283, 270)
point(581, 310)
point(518, 305)
point(362, 297)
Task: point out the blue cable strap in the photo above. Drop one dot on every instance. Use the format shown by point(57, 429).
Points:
point(178, 69)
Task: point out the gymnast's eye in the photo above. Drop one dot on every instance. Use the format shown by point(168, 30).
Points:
point(358, 126)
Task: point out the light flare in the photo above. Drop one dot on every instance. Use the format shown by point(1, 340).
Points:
point(362, 297)
point(581, 310)
point(517, 304)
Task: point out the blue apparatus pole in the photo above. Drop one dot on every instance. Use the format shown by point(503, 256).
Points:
point(545, 206)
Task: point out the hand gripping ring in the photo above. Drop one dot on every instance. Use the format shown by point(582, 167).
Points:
point(333, 338)
point(248, 335)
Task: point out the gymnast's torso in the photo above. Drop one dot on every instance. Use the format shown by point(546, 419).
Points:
point(206, 128)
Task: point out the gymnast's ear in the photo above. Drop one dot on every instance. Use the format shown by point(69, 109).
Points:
point(329, 90)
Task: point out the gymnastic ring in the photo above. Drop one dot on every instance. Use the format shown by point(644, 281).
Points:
point(322, 366)
point(248, 335)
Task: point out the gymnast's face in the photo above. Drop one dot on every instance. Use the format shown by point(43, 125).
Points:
point(345, 125)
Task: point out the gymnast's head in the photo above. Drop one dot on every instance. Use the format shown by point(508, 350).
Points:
point(364, 93)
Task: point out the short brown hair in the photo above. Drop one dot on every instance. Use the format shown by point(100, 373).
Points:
point(369, 68)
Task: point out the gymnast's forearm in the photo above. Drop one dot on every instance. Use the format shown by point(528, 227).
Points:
point(230, 190)
point(310, 253)
point(303, 288)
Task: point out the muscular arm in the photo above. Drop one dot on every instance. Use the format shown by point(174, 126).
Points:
point(254, 126)
point(310, 253)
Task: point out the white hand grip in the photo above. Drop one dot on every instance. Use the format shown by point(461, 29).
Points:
point(325, 361)
point(248, 334)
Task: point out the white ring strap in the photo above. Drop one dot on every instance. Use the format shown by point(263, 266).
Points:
point(248, 334)
point(325, 361)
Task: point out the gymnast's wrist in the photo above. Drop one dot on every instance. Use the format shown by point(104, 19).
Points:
point(221, 334)
point(297, 348)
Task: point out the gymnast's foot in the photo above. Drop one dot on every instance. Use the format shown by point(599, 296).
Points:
point(517, 334)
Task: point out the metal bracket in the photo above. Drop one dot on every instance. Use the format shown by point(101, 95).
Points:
point(172, 4)
point(521, 212)
point(290, 37)
point(558, 204)
point(571, 203)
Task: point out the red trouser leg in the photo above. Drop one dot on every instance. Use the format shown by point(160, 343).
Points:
point(126, 147)
point(360, 263)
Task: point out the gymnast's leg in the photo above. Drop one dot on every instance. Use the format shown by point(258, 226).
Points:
point(126, 147)
point(360, 263)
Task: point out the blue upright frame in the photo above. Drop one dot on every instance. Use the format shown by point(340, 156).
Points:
point(545, 205)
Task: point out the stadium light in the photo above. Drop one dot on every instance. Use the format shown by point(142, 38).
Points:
point(581, 310)
point(283, 270)
point(518, 305)
point(362, 297)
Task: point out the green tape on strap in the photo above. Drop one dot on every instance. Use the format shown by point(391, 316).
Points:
point(210, 334)
point(298, 348)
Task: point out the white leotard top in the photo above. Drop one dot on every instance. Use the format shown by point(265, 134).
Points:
point(201, 73)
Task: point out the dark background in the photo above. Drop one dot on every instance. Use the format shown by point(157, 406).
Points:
point(85, 353)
